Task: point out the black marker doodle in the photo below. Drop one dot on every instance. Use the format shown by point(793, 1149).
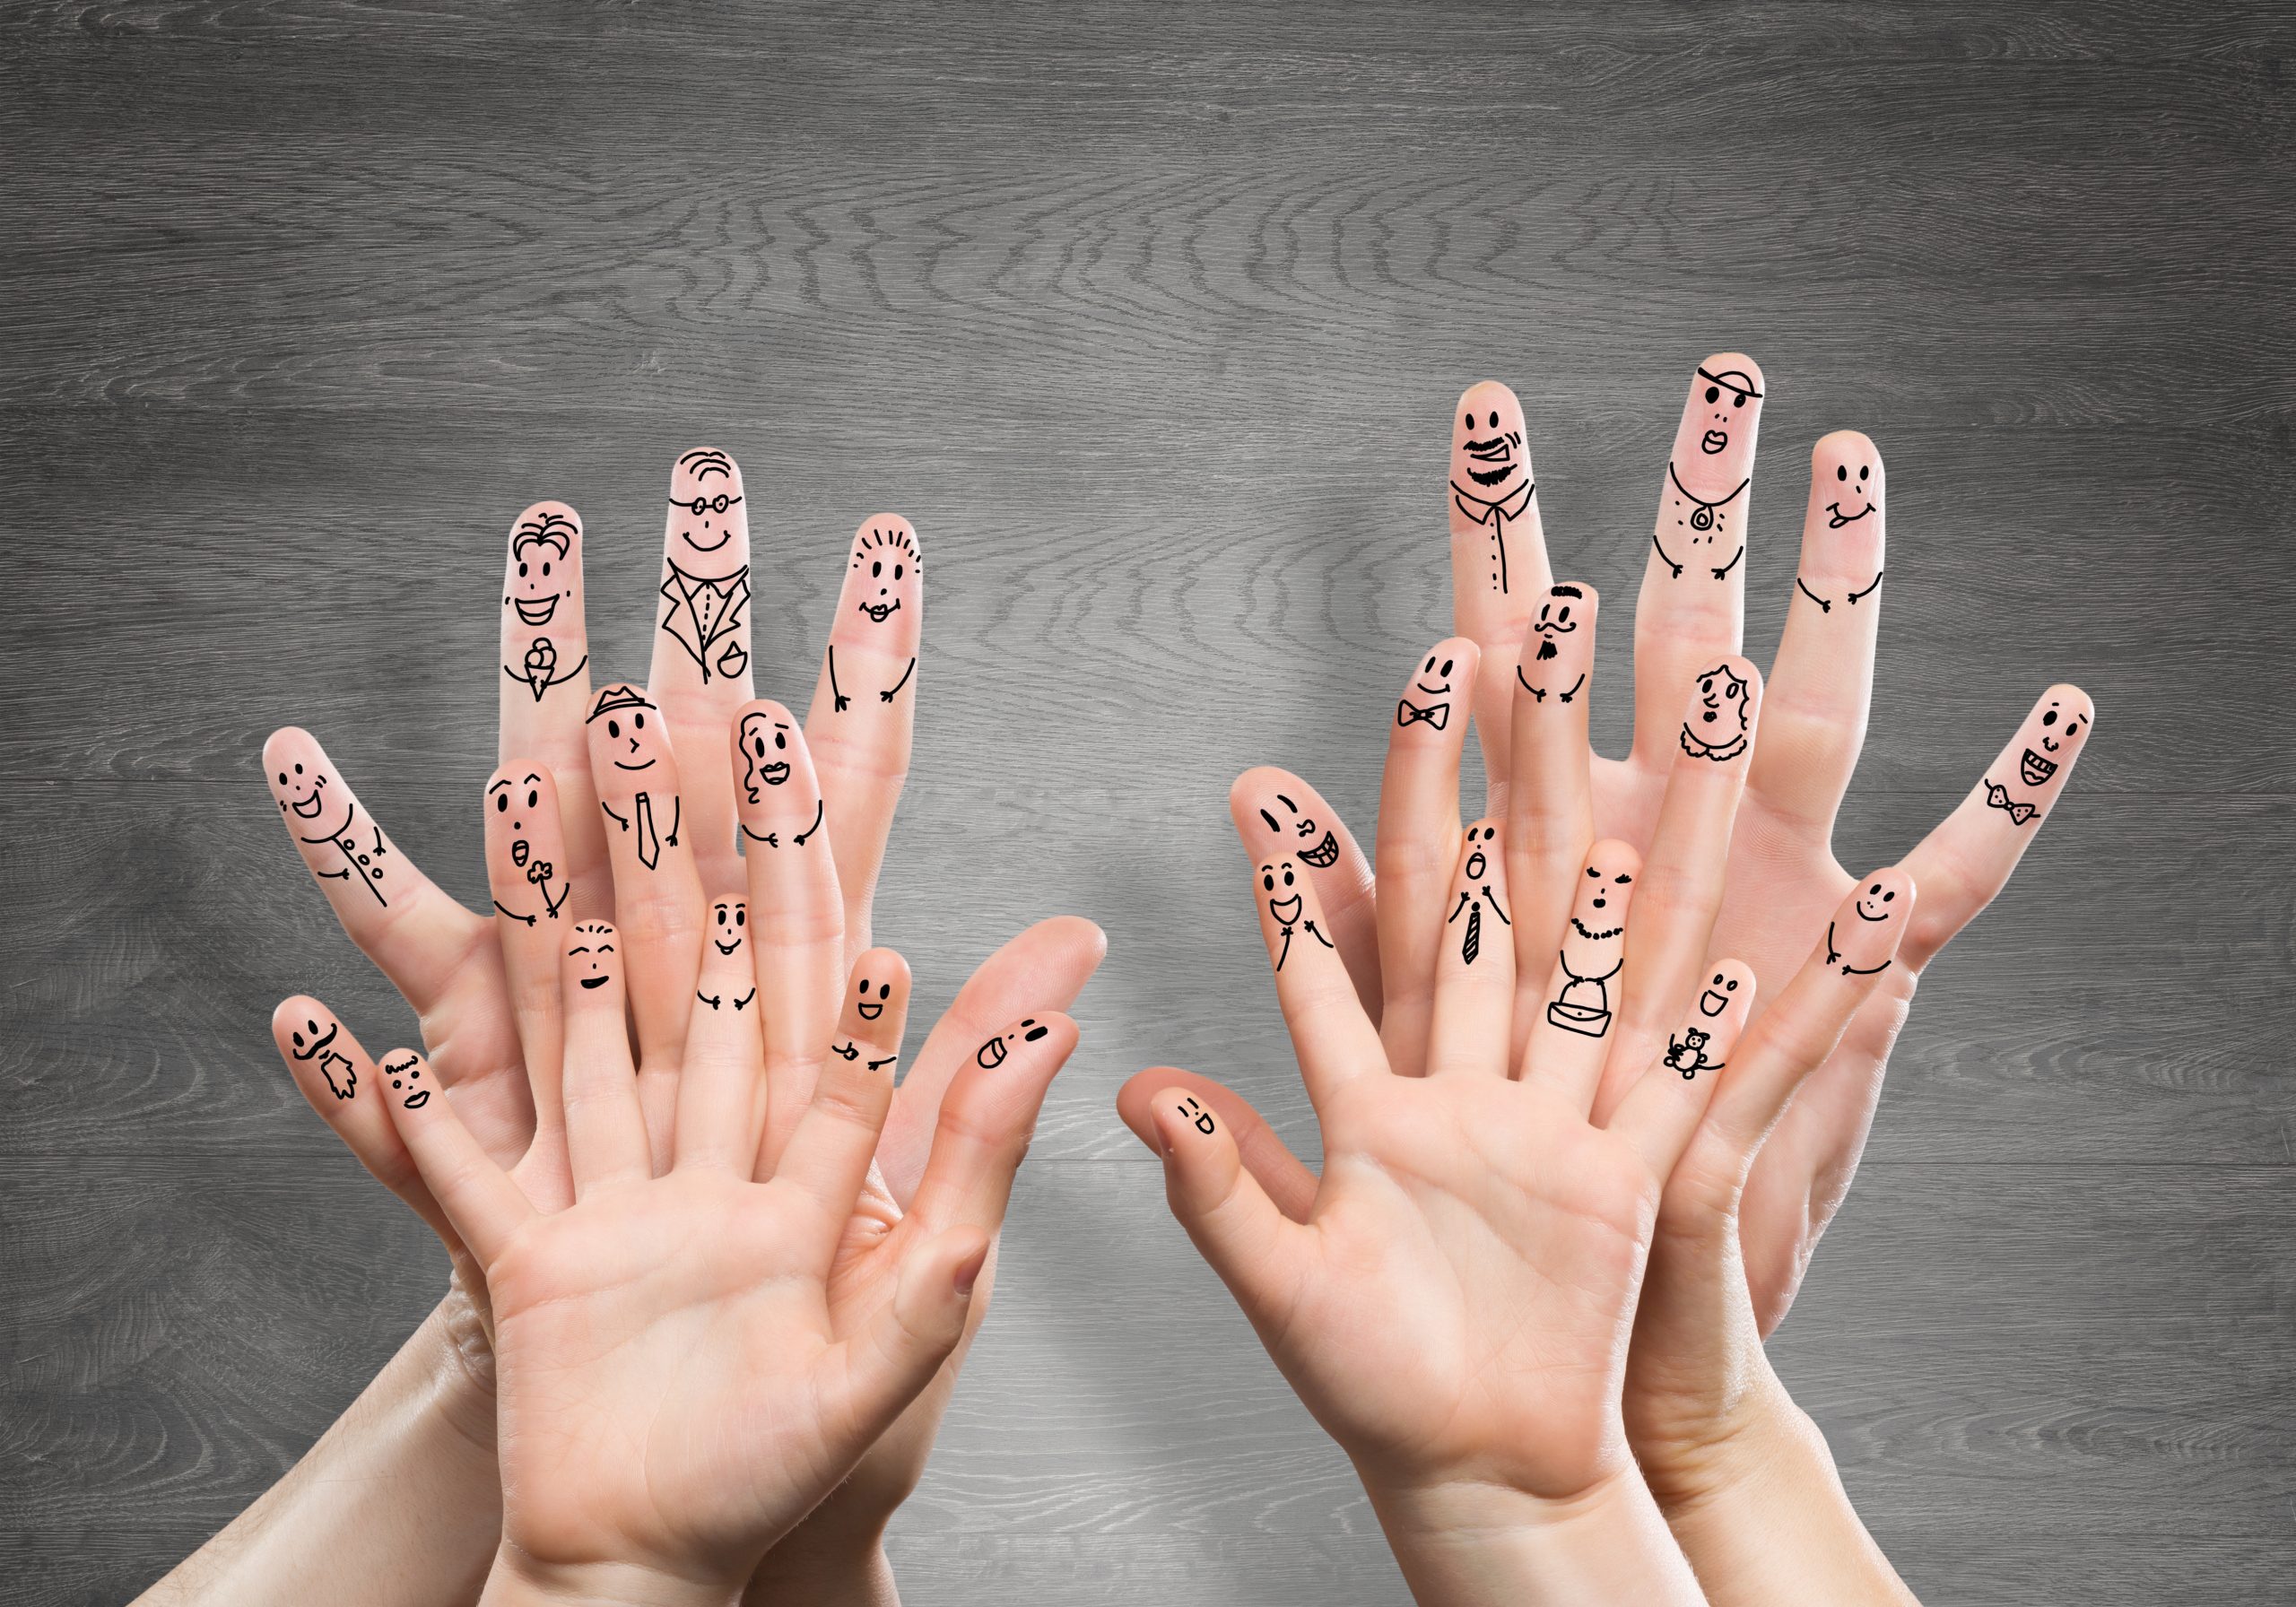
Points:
point(1997, 796)
point(1286, 909)
point(772, 840)
point(1716, 999)
point(1687, 1054)
point(696, 468)
point(541, 544)
point(1487, 464)
point(365, 862)
point(590, 938)
point(878, 548)
point(1839, 518)
point(991, 1055)
point(1742, 389)
point(1197, 1116)
point(1710, 519)
point(1552, 624)
point(704, 611)
point(613, 702)
point(840, 699)
point(758, 770)
point(1435, 714)
point(1722, 721)
point(320, 1046)
point(715, 999)
point(867, 1008)
point(539, 669)
point(1471, 903)
point(411, 1072)
point(730, 918)
point(1324, 855)
point(1833, 953)
point(537, 871)
point(1584, 1005)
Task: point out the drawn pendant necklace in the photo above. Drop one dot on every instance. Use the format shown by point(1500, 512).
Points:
point(1703, 516)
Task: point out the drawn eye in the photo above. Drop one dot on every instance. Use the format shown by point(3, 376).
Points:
point(865, 987)
point(1430, 664)
point(721, 915)
point(1564, 617)
point(613, 729)
point(1596, 874)
point(638, 721)
point(501, 803)
point(742, 914)
point(758, 745)
point(1877, 887)
point(1890, 897)
point(545, 569)
point(283, 778)
point(780, 740)
point(1738, 402)
point(2050, 718)
point(1268, 882)
point(885, 991)
point(1713, 393)
point(1287, 875)
point(1864, 470)
point(1842, 473)
point(298, 769)
point(534, 798)
point(1468, 419)
point(522, 571)
point(1494, 420)
point(1734, 985)
point(1624, 881)
point(2072, 727)
point(897, 571)
point(875, 569)
point(1447, 667)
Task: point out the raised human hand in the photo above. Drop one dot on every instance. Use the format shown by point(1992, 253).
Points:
point(1782, 877)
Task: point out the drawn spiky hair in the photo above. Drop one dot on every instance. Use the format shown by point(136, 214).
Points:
point(893, 538)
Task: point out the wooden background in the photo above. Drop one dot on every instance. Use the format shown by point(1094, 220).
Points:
point(1151, 318)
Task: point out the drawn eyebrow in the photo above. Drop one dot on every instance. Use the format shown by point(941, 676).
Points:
point(499, 785)
point(532, 777)
point(1287, 803)
point(1270, 819)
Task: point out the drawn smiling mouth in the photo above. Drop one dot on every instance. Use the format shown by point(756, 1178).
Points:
point(727, 948)
point(536, 614)
point(2034, 769)
point(1713, 441)
point(309, 812)
point(774, 774)
point(594, 982)
point(1840, 518)
point(722, 540)
point(869, 1011)
point(881, 611)
point(1863, 916)
point(620, 766)
point(1324, 855)
point(990, 1055)
point(1434, 692)
point(319, 1046)
point(1284, 910)
point(1711, 1003)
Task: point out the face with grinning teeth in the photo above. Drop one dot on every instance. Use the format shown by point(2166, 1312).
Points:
point(765, 753)
point(1322, 851)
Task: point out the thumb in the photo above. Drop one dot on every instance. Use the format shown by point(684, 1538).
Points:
point(1252, 1245)
point(903, 1344)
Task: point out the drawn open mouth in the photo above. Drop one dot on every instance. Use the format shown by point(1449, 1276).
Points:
point(309, 811)
point(727, 948)
point(1840, 518)
point(2034, 769)
point(1863, 916)
point(320, 1044)
point(536, 614)
point(991, 1055)
point(620, 766)
point(868, 1009)
point(594, 982)
point(881, 611)
point(1434, 692)
point(1475, 865)
point(518, 852)
point(774, 774)
point(698, 547)
point(1495, 450)
point(1713, 441)
point(1284, 910)
point(417, 1101)
point(1324, 855)
point(1711, 1003)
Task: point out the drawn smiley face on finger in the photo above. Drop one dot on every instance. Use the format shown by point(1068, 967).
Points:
point(1280, 883)
point(1720, 714)
point(1322, 851)
point(765, 753)
point(882, 565)
point(991, 1055)
point(1719, 398)
point(631, 725)
point(1715, 998)
point(1866, 941)
point(706, 511)
point(302, 790)
point(406, 1077)
point(729, 921)
point(2062, 722)
point(870, 1004)
point(544, 563)
point(591, 958)
point(1431, 682)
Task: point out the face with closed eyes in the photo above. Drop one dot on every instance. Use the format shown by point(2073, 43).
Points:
point(765, 753)
point(884, 558)
point(591, 958)
point(1601, 914)
point(1286, 819)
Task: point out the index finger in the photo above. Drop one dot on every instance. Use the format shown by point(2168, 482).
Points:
point(701, 651)
point(545, 686)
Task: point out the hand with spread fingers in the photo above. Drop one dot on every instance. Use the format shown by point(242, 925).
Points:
point(1453, 1297)
point(1781, 880)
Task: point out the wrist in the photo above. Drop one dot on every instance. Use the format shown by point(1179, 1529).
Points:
point(1465, 1542)
point(1745, 1440)
point(519, 1580)
point(843, 1571)
point(457, 1357)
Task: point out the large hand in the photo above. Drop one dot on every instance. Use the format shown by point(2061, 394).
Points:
point(1782, 876)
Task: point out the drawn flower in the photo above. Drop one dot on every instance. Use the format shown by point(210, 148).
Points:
point(539, 872)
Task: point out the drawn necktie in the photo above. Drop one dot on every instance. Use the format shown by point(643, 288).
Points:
point(649, 846)
point(1473, 945)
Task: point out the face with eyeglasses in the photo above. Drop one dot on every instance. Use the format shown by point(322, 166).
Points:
point(705, 511)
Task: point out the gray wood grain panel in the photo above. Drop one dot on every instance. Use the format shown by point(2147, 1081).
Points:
point(1150, 319)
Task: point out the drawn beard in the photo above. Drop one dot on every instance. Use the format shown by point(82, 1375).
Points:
point(1546, 648)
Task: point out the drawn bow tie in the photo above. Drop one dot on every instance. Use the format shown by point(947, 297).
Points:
point(1438, 715)
point(1997, 796)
